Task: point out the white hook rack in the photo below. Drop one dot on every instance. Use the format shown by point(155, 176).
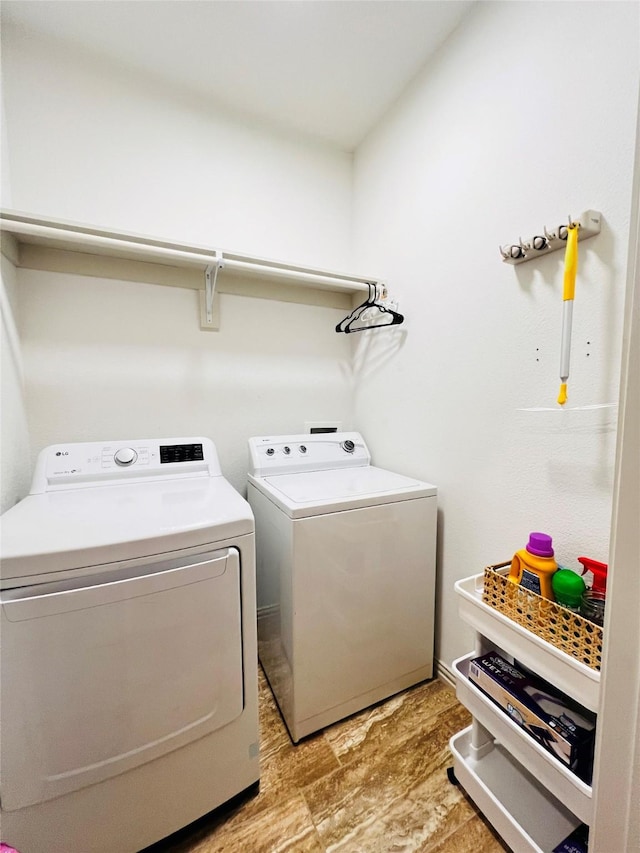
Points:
point(588, 223)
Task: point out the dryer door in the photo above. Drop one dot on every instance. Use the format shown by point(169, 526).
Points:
point(110, 673)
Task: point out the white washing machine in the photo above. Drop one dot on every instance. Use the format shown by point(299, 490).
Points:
point(129, 671)
point(345, 573)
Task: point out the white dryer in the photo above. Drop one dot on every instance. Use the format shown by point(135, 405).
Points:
point(345, 573)
point(129, 673)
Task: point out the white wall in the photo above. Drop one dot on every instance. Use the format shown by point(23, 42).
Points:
point(507, 130)
point(94, 143)
point(14, 473)
point(109, 359)
point(14, 433)
point(105, 145)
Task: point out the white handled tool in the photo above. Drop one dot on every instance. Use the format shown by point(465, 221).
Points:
point(570, 269)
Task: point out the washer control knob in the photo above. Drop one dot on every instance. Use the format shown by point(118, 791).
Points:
point(348, 446)
point(303, 448)
point(270, 451)
point(287, 449)
point(125, 456)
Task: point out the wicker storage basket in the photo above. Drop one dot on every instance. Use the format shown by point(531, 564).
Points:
point(567, 631)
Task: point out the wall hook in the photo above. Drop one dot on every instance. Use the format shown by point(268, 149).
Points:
point(514, 252)
point(588, 225)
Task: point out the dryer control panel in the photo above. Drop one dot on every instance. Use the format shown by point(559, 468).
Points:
point(292, 454)
point(78, 464)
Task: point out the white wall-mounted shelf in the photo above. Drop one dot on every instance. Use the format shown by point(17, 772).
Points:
point(40, 243)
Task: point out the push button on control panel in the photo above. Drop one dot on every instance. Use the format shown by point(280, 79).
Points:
point(125, 456)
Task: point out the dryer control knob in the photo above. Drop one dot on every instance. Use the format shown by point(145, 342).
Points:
point(270, 451)
point(287, 450)
point(348, 445)
point(125, 456)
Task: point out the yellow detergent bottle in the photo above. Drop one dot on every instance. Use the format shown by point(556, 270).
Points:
point(534, 566)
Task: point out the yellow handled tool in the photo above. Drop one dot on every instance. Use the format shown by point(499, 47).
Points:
point(570, 269)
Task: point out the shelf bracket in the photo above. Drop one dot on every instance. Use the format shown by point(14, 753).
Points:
point(209, 299)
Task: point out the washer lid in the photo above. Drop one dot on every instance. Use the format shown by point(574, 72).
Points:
point(80, 528)
point(319, 492)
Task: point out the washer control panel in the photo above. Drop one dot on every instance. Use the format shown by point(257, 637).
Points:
point(290, 454)
point(80, 464)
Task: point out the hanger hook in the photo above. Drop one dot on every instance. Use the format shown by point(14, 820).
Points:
point(514, 252)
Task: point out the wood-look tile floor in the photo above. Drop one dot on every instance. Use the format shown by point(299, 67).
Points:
point(374, 783)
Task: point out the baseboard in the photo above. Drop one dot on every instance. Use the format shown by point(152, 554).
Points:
point(445, 673)
point(267, 610)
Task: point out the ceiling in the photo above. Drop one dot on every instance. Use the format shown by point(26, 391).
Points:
point(327, 68)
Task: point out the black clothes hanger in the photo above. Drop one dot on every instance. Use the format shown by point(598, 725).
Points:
point(391, 318)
